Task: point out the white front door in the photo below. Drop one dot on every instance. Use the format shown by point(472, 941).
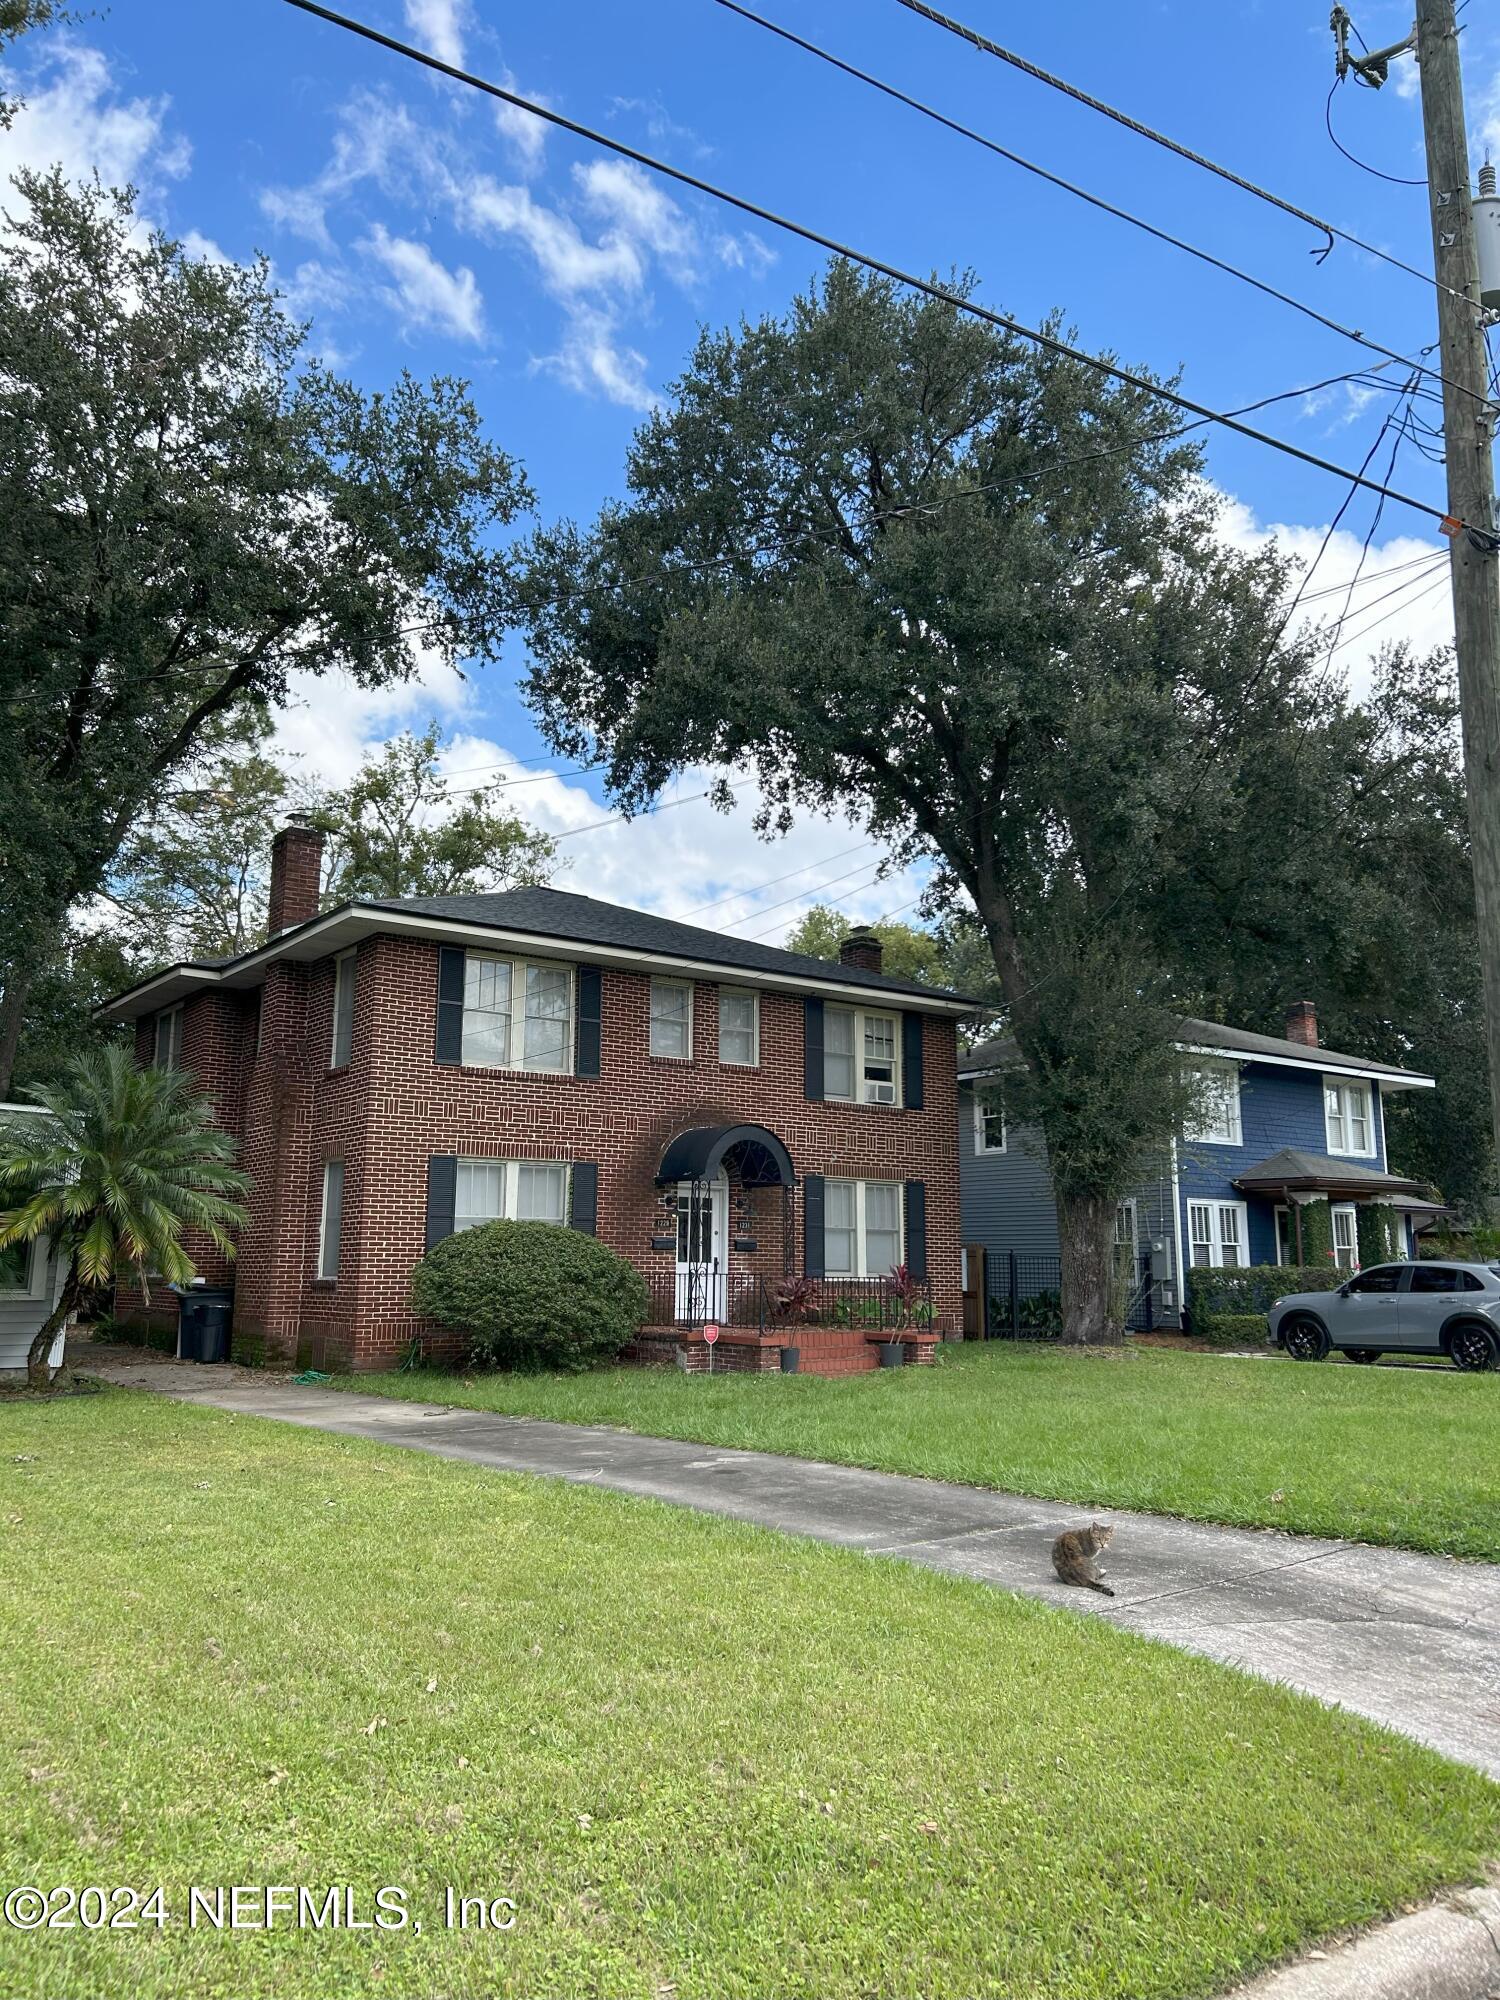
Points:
point(702, 1232)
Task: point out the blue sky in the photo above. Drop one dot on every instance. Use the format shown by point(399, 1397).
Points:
point(416, 227)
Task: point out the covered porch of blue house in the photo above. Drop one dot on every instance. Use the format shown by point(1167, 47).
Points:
point(1310, 1209)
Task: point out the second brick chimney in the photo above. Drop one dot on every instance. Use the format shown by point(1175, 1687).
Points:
point(296, 876)
point(1302, 1023)
point(862, 949)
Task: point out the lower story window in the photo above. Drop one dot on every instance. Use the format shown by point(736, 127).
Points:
point(331, 1223)
point(1345, 1237)
point(861, 1228)
point(1216, 1233)
point(510, 1190)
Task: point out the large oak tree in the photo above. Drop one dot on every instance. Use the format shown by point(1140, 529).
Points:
point(900, 562)
point(193, 512)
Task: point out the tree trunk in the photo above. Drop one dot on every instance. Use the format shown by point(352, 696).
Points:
point(38, 1375)
point(12, 1014)
point(1086, 1229)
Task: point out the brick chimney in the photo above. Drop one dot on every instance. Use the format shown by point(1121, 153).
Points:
point(862, 949)
point(1302, 1023)
point(296, 876)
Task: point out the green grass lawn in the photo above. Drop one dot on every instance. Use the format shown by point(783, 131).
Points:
point(703, 1759)
point(1408, 1456)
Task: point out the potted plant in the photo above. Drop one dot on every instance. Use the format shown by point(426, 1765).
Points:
point(794, 1301)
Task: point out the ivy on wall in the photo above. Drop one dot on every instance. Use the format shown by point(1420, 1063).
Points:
point(1378, 1231)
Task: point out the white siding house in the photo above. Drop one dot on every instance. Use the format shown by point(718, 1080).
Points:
point(30, 1280)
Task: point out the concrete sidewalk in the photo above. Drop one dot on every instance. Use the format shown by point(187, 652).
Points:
point(1412, 1641)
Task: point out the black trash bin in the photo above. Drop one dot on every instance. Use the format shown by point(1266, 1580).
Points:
point(203, 1323)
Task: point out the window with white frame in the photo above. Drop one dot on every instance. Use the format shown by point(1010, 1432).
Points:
point(861, 1056)
point(1125, 1226)
point(989, 1120)
point(739, 1027)
point(861, 1228)
point(23, 1269)
point(517, 1015)
point(1217, 1121)
point(1349, 1117)
point(1345, 1237)
point(1217, 1234)
point(168, 1053)
point(331, 1221)
point(672, 1019)
point(343, 1010)
point(509, 1190)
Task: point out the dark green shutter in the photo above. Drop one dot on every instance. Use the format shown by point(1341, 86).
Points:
point(812, 1221)
point(916, 1228)
point(449, 1044)
point(812, 1050)
point(587, 1052)
point(442, 1191)
point(583, 1198)
point(911, 1061)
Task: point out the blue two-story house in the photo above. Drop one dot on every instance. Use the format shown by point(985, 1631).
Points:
point(1283, 1122)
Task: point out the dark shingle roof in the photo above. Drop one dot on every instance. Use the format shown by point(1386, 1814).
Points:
point(1292, 1166)
point(583, 920)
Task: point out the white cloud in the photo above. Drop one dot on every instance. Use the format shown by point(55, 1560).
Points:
point(591, 359)
point(427, 293)
point(329, 722)
point(566, 261)
point(1410, 601)
point(75, 117)
point(638, 210)
point(438, 26)
point(522, 131)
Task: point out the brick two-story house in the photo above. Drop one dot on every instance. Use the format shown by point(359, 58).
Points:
point(722, 1113)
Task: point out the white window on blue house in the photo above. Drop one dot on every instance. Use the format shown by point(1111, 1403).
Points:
point(1345, 1237)
point(1218, 1117)
point(989, 1120)
point(1349, 1117)
point(1217, 1235)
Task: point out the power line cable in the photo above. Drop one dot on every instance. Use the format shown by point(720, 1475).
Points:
point(1396, 180)
point(1071, 187)
point(1329, 229)
point(929, 287)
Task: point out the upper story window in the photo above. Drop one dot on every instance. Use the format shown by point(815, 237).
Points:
point(168, 1054)
point(343, 1010)
point(739, 1027)
point(1348, 1116)
point(1217, 1122)
point(672, 1019)
point(989, 1120)
point(517, 1015)
point(861, 1228)
point(513, 1190)
point(861, 1056)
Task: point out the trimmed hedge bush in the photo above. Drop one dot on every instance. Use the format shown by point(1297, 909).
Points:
point(531, 1295)
point(1235, 1330)
point(1251, 1289)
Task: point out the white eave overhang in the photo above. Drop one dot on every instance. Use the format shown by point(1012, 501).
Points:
point(1321, 1061)
point(353, 922)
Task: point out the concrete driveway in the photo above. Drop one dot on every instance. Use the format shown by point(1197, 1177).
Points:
point(1411, 1641)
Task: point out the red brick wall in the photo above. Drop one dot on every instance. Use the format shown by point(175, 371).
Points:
point(296, 876)
point(393, 1107)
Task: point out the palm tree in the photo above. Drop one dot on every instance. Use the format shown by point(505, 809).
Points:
point(124, 1161)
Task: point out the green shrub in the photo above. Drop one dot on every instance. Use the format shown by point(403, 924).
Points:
point(531, 1295)
point(1252, 1289)
point(1234, 1330)
point(1378, 1232)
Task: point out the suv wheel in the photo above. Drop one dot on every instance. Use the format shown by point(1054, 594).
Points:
point(1363, 1354)
point(1472, 1347)
point(1304, 1339)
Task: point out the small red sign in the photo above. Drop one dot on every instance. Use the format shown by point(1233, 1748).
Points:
point(711, 1332)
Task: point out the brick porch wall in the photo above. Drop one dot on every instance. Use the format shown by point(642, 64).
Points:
point(393, 1107)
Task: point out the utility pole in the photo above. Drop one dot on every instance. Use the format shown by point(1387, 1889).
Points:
point(1468, 431)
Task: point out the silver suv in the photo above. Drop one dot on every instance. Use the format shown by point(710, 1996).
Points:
point(1451, 1309)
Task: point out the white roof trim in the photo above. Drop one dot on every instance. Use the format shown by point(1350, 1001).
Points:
point(342, 927)
point(1393, 1079)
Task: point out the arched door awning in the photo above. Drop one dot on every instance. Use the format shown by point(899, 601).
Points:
point(756, 1156)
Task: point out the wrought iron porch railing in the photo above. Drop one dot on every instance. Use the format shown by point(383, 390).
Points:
point(742, 1299)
